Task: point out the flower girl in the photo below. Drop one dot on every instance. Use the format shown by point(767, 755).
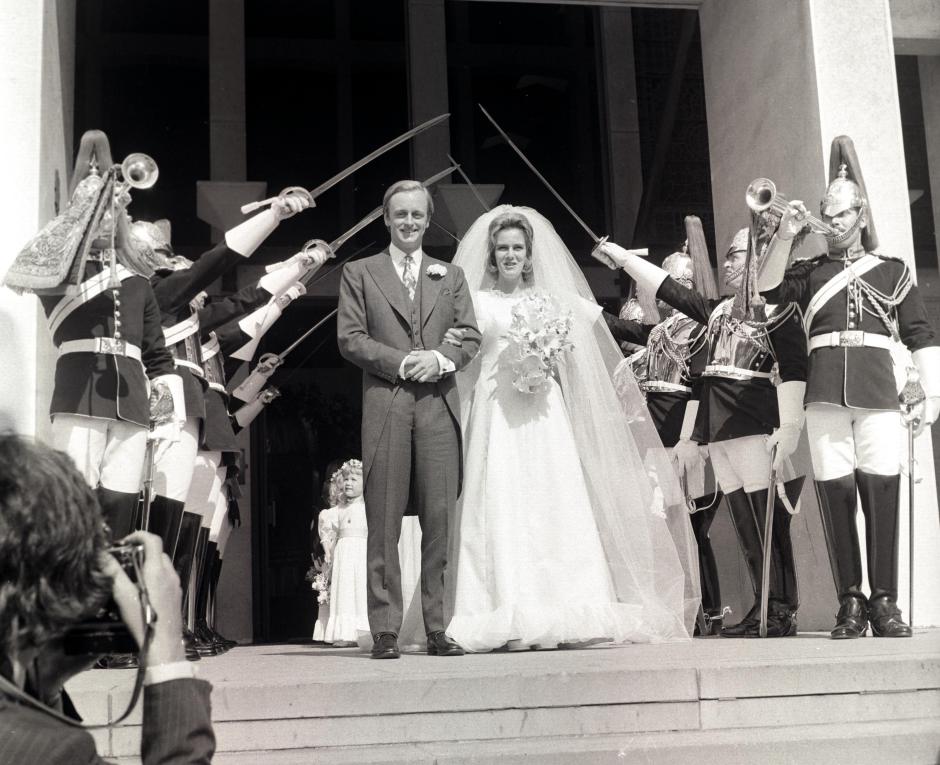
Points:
point(349, 614)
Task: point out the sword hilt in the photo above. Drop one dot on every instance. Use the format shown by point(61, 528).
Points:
point(299, 191)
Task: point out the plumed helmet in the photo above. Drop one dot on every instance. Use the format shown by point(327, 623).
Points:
point(679, 266)
point(152, 242)
point(703, 278)
point(631, 310)
point(739, 242)
point(847, 187)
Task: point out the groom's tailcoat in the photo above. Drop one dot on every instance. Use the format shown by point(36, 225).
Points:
point(411, 445)
point(377, 326)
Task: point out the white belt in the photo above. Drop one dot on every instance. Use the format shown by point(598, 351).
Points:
point(661, 386)
point(219, 387)
point(101, 345)
point(352, 534)
point(735, 373)
point(850, 339)
point(194, 368)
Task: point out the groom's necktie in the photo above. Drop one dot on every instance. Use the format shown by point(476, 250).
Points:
point(408, 277)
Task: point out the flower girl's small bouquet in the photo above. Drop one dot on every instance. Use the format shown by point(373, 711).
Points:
point(538, 337)
point(319, 578)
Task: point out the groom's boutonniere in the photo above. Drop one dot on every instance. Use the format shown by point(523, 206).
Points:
point(436, 271)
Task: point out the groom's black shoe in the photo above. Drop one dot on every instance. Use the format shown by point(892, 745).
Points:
point(385, 646)
point(441, 645)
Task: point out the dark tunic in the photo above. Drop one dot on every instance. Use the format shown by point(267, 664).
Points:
point(100, 384)
point(857, 377)
point(666, 408)
point(222, 315)
point(731, 408)
point(174, 290)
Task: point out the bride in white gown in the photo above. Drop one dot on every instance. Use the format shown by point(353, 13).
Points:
point(559, 537)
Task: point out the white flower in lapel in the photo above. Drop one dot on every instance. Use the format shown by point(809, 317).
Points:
point(436, 271)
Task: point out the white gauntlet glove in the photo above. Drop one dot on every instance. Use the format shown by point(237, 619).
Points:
point(167, 408)
point(787, 437)
point(688, 453)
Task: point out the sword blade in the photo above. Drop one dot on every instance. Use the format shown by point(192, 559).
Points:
point(378, 152)
point(596, 239)
point(768, 537)
point(283, 354)
point(483, 204)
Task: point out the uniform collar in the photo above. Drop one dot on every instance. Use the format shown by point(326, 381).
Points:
point(847, 256)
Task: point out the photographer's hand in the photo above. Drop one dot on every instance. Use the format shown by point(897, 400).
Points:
point(163, 588)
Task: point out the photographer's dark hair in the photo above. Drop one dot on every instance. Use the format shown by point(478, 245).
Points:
point(51, 538)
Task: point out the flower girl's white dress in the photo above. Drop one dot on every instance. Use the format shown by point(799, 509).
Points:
point(349, 614)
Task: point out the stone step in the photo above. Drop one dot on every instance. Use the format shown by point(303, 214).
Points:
point(537, 722)
point(910, 742)
point(303, 698)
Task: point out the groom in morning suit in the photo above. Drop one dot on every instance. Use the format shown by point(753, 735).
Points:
point(394, 310)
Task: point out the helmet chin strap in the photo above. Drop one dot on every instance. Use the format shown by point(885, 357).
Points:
point(850, 231)
point(739, 271)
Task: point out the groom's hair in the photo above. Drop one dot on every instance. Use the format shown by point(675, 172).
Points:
point(407, 185)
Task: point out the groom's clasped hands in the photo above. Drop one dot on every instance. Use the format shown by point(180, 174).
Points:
point(424, 366)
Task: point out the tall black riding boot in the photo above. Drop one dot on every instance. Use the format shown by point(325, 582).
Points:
point(183, 563)
point(880, 498)
point(186, 548)
point(166, 515)
point(708, 568)
point(204, 642)
point(838, 505)
point(782, 599)
point(227, 643)
point(748, 533)
point(119, 509)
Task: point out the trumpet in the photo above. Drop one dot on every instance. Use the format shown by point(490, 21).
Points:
point(139, 170)
point(762, 195)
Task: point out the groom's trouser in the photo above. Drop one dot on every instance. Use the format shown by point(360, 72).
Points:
point(417, 461)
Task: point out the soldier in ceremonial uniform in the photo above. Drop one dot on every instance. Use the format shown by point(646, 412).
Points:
point(665, 374)
point(214, 486)
point(176, 281)
point(741, 413)
point(106, 327)
point(857, 303)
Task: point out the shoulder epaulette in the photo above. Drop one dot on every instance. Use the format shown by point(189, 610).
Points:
point(801, 266)
point(888, 257)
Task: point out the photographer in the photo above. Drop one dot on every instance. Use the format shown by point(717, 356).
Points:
point(55, 572)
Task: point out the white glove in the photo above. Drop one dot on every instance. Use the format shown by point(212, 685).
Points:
point(689, 456)
point(786, 438)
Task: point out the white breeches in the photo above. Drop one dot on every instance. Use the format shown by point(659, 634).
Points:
point(219, 525)
point(106, 452)
point(741, 463)
point(843, 439)
point(205, 486)
point(173, 467)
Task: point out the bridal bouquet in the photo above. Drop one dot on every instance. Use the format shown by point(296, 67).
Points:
point(538, 336)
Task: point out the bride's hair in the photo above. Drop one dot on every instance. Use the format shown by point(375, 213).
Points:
point(501, 223)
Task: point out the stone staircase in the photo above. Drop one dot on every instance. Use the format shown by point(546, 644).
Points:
point(735, 701)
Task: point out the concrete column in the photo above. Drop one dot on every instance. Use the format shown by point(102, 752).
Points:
point(622, 123)
point(37, 40)
point(227, 144)
point(218, 203)
point(427, 83)
point(781, 81)
point(929, 68)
